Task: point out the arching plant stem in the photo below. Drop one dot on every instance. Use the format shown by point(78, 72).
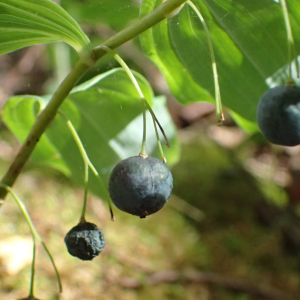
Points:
point(144, 101)
point(87, 164)
point(48, 114)
point(290, 42)
point(219, 110)
point(35, 235)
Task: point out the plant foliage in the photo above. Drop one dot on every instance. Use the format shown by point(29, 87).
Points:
point(28, 22)
point(250, 44)
point(107, 114)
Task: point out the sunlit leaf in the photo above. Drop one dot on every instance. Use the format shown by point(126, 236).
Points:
point(249, 39)
point(29, 22)
point(107, 114)
point(116, 13)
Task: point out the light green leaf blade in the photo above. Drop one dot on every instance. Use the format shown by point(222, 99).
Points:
point(19, 115)
point(29, 22)
point(250, 45)
point(115, 14)
point(107, 114)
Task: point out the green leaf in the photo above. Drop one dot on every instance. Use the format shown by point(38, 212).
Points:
point(19, 115)
point(116, 13)
point(249, 40)
point(29, 22)
point(107, 114)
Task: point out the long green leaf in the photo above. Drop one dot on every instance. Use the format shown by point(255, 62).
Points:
point(29, 22)
point(115, 14)
point(249, 41)
point(107, 114)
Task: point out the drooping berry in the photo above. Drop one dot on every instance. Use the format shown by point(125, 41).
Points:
point(278, 115)
point(140, 186)
point(85, 241)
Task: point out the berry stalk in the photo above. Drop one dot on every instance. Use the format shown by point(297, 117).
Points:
point(47, 115)
point(143, 99)
point(219, 110)
point(290, 42)
point(35, 236)
point(87, 164)
point(31, 292)
point(86, 188)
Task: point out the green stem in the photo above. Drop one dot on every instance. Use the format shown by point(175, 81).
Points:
point(86, 188)
point(48, 114)
point(290, 40)
point(31, 292)
point(138, 89)
point(219, 110)
point(158, 142)
point(156, 121)
point(34, 234)
point(41, 124)
point(87, 164)
point(85, 161)
point(136, 28)
point(143, 148)
point(144, 101)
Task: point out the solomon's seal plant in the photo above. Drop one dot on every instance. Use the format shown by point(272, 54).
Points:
point(52, 23)
point(278, 110)
point(139, 185)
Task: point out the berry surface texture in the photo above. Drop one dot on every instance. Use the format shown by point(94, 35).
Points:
point(85, 241)
point(140, 186)
point(278, 115)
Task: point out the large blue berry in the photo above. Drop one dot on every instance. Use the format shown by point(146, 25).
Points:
point(85, 241)
point(140, 186)
point(278, 115)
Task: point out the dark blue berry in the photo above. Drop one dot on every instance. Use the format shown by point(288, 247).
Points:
point(140, 186)
point(278, 115)
point(85, 241)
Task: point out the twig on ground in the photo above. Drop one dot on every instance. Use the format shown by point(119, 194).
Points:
point(185, 208)
point(233, 284)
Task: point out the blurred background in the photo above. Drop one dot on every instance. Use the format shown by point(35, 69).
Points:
point(231, 229)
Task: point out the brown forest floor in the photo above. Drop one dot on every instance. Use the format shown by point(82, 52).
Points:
point(216, 244)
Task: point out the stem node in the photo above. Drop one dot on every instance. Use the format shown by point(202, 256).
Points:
point(143, 155)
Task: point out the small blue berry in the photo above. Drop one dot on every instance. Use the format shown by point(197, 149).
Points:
point(140, 186)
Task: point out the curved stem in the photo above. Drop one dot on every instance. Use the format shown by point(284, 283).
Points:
point(290, 41)
point(220, 114)
point(154, 118)
point(86, 188)
point(47, 115)
point(136, 28)
point(143, 148)
point(41, 124)
point(87, 164)
point(159, 144)
point(138, 89)
point(34, 233)
point(85, 161)
point(143, 99)
point(31, 292)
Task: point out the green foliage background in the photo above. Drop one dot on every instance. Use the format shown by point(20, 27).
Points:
point(249, 40)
